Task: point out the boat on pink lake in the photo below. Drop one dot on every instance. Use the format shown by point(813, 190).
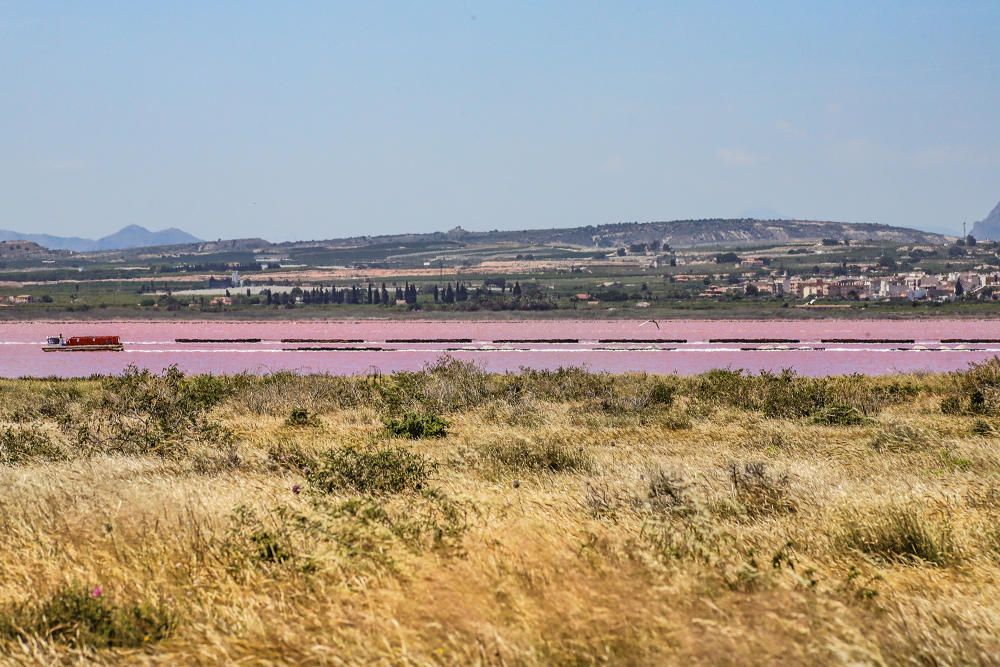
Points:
point(810, 347)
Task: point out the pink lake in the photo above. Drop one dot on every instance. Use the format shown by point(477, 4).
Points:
point(813, 347)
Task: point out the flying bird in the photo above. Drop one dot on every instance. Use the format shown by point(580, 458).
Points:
point(648, 321)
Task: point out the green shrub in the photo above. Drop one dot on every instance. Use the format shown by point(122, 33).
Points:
point(788, 395)
point(20, 445)
point(636, 395)
point(868, 394)
point(518, 455)
point(783, 394)
point(662, 393)
point(951, 405)
point(56, 400)
point(415, 426)
point(901, 534)
point(277, 394)
point(982, 427)
point(141, 412)
point(352, 535)
point(268, 547)
point(207, 391)
point(376, 470)
point(429, 520)
point(720, 385)
point(80, 617)
point(840, 415)
point(975, 391)
point(269, 539)
point(300, 417)
point(447, 384)
point(564, 384)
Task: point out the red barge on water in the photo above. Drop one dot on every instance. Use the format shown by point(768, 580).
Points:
point(83, 344)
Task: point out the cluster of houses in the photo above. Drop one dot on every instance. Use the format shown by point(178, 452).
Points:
point(913, 286)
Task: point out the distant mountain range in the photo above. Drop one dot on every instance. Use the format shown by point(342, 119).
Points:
point(132, 236)
point(988, 229)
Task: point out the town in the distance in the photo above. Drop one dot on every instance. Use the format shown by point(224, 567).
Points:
point(691, 268)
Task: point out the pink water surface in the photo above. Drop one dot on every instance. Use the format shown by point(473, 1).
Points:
point(152, 345)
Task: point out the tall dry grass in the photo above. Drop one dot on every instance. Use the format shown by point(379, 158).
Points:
point(559, 517)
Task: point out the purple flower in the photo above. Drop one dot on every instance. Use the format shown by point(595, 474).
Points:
point(296, 488)
point(97, 591)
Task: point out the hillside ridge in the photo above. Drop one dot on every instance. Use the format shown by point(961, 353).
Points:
point(676, 233)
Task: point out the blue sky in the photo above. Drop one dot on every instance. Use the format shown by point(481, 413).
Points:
point(314, 120)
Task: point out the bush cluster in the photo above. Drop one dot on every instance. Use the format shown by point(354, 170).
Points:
point(902, 534)
point(80, 617)
point(789, 395)
point(640, 395)
point(544, 455)
point(377, 470)
point(141, 412)
point(975, 391)
point(28, 444)
point(300, 417)
point(362, 530)
point(414, 425)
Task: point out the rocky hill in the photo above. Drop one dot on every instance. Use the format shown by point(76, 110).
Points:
point(989, 227)
point(15, 250)
point(677, 233)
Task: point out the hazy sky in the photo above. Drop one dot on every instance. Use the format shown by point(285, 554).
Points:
point(311, 120)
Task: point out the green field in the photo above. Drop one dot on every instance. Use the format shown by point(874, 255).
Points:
point(654, 285)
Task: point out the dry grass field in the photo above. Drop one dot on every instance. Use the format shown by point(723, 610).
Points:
point(456, 517)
